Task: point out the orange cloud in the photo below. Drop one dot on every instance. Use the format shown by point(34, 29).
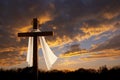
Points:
point(109, 15)
point(95, 30)
point(11, 49)
point(11, 61)
point(12, 56)
point(45, 18)
point(102, 54)
point(59, 41)
point(73, 53)
point(21, 29)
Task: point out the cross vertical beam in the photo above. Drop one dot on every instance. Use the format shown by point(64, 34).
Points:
point(35, 23)
point(35, 49)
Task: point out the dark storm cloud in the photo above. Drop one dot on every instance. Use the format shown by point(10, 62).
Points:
point(68, 17)
point(16, 14)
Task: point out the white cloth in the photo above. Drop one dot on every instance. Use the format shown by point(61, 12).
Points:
point(30, 52)
point(49, 56)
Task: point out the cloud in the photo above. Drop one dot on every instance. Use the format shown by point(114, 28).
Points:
point(70, 18)
point(95, 30)
point(12, 56)
point(109, 48)
point(112, 43)
point(108, 53)
point(10, 59)
point(73, 50)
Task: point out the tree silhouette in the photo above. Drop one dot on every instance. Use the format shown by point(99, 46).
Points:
point(103, 73)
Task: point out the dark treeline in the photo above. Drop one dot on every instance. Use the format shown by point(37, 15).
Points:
point(103, 73)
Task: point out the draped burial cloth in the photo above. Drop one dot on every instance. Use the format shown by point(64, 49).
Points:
point(49, 56)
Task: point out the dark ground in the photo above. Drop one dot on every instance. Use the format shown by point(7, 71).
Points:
point(103, 73)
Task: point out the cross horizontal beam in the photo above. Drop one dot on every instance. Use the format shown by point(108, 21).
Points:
point(31, 34)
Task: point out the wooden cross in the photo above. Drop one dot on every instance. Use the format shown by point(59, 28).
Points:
point(35, 46)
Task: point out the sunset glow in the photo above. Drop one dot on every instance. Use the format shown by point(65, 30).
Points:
point(86, 32)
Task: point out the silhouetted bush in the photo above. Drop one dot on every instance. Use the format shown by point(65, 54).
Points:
point(103, 73)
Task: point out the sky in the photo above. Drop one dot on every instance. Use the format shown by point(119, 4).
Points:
point(86, 32)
